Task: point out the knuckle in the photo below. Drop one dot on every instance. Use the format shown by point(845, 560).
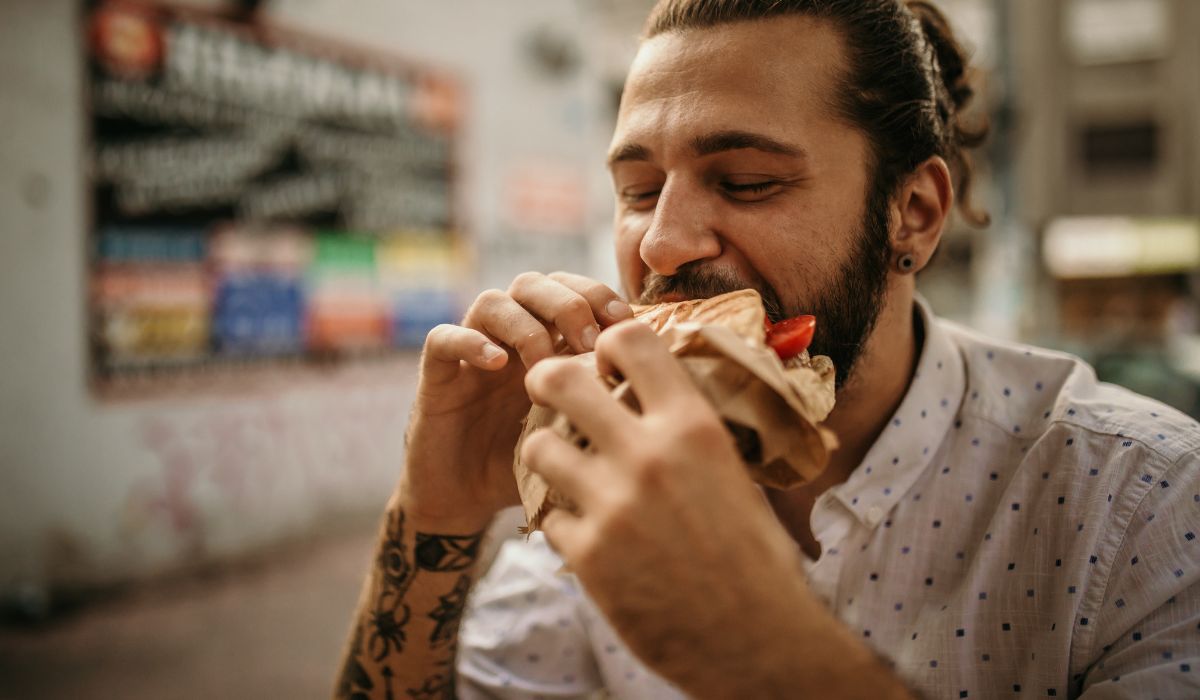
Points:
point(530, 341)
point(631, 331)
point(589, 288)
point(597, 291)
point(586, 551)
point(700, 429)
point(651, 470)
point(620, 513)
point(489, 298)
point(441, 334)
point(525, 280)
point(534, 444)
point(556, 374)
point(622, 334)
point(575, 308)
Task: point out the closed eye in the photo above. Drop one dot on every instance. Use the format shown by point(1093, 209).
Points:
point(639, 199)
point(751, 191)
point(751, 187)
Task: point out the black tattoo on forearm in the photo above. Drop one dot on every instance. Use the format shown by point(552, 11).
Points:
point(354, 682)
point(387, 631)
point(394, 564)
point(439, 686)
point(387, 682)
point(388, 613)
point(449, 613)
point(447, 552)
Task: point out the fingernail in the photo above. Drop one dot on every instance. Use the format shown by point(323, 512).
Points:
point(491, 352)
point(588, 337)
point(618, 309)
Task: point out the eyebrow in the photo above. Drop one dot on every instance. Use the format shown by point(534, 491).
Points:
point(710, 144)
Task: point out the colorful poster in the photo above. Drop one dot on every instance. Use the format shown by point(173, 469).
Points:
point(255, 194)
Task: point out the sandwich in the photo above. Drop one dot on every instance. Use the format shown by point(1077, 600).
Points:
point(771, 395)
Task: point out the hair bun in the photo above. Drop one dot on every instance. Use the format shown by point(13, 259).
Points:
point(951, 71)
point(949, 54)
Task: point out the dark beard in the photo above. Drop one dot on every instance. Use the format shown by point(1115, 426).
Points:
point(846, 311)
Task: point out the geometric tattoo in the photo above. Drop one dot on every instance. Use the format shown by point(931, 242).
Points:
point(447, 552)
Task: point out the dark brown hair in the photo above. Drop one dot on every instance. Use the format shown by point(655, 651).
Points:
point(906, 86)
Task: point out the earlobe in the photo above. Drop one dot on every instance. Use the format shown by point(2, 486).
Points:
point(924, 205)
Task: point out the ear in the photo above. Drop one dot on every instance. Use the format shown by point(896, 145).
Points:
point(921, 208)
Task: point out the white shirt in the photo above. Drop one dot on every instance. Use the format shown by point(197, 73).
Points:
point(1018, 530)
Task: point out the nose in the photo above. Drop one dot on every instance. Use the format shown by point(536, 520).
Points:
point(681, 230)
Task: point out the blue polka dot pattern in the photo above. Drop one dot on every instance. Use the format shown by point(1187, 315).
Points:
point(1017, 528)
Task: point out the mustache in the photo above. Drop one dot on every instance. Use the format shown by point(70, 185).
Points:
point(694, 282)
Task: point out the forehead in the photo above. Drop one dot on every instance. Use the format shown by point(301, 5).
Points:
point(776, 76)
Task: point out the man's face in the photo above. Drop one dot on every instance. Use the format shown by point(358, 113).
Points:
point(732, 169)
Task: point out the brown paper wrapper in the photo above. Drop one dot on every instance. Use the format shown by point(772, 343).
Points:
point(773, 411)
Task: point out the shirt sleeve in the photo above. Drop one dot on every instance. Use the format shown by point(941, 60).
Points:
point(523, 635)
point(1148, 625)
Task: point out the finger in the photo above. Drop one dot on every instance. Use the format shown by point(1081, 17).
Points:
point(568, 310)
point(633, 350)
point(447, 345)
point(501, 317)
point(574, 390)
point(564, 466)
point(606, 305)
point(565, 533)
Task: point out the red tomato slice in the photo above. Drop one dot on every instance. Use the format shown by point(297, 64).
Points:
point(791, 336)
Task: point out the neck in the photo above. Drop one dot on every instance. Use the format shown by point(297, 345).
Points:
point(864, 405)
point(877, 386)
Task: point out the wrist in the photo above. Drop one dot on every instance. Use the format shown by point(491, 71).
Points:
point(439, 517)
point(822, 658)
point(801, 650)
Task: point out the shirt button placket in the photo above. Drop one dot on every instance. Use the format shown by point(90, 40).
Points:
point(830, 527)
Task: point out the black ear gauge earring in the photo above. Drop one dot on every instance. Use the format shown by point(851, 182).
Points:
point(906, 262)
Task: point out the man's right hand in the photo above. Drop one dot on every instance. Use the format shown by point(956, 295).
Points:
point(471, 395)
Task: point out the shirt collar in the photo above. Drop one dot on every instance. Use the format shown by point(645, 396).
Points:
point(908, 444)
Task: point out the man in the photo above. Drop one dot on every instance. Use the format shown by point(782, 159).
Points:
point(995, 522)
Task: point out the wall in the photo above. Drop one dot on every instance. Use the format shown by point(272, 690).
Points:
point(95, 492)
point(1056, 97)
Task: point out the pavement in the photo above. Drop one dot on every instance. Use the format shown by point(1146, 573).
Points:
point(272, 628)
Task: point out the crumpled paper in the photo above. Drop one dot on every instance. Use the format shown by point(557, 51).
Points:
point(773, 410)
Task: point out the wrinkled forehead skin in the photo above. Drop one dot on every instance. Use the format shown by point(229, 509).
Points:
point(777, 77)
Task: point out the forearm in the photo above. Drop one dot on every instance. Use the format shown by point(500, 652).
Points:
point(806, 653)
point(832, 661)
point(405, 630)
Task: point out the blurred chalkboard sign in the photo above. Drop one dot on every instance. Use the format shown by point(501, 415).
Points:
point(261, 197)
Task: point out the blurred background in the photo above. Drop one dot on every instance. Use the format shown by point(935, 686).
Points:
point(226, 227)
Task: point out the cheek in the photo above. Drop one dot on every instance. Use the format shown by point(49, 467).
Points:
point(798, 254)
point(628, 241)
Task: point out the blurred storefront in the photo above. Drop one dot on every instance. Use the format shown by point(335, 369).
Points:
point(1093, 180)
point(1118, 199)
point(228, 228)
